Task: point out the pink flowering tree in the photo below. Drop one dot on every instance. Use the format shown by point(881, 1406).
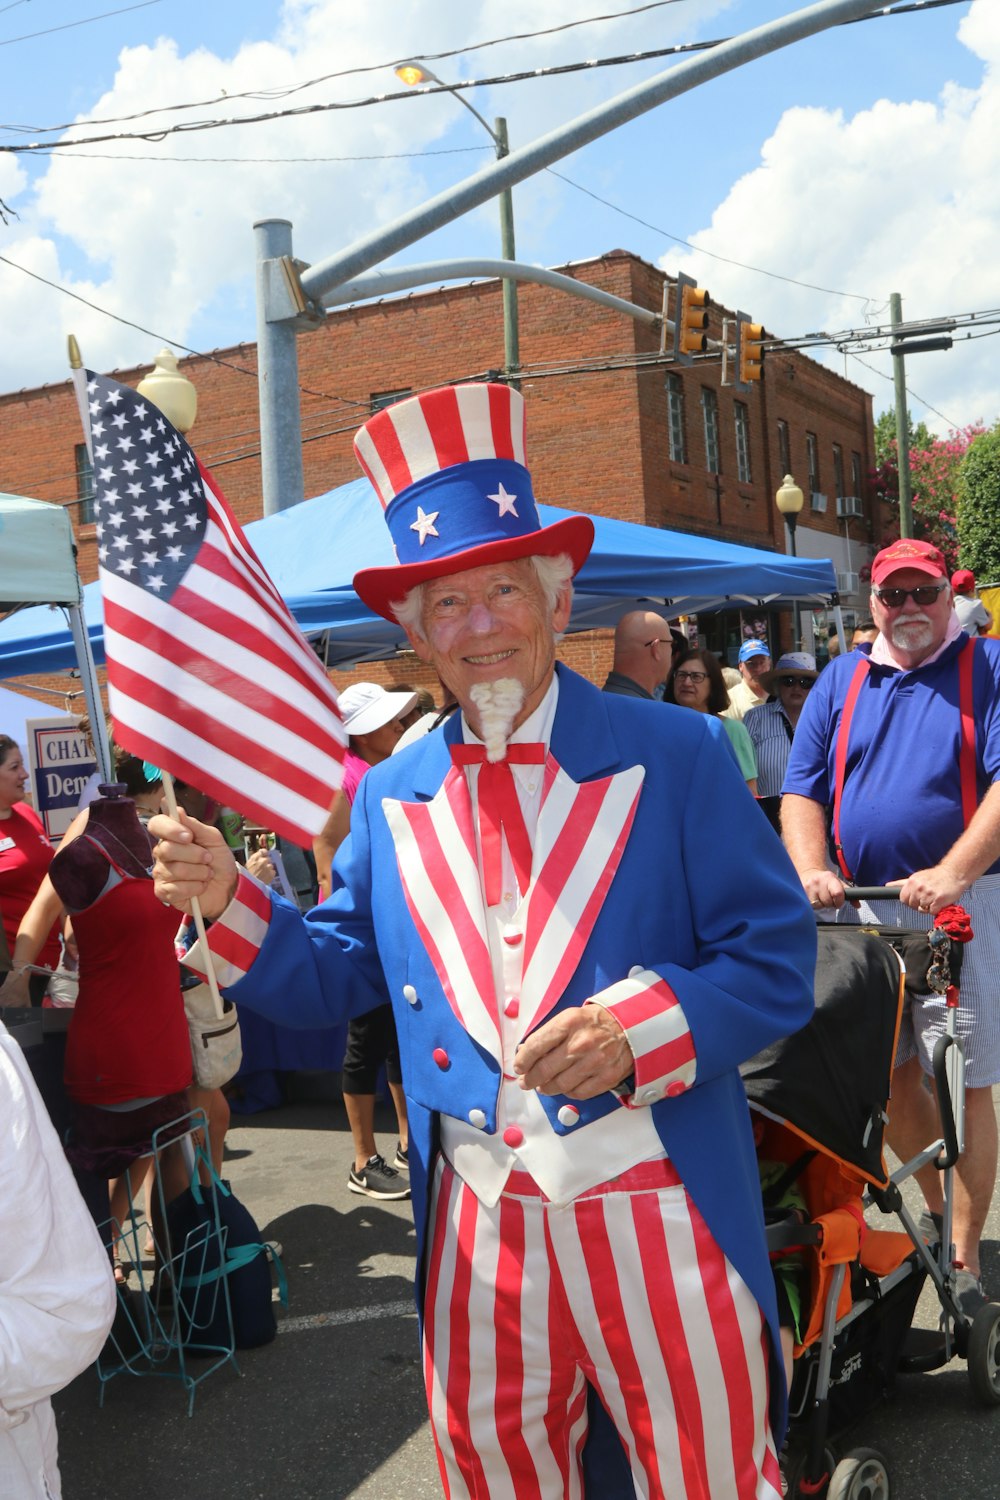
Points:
point(934, 468)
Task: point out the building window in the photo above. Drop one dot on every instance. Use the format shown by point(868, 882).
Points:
point(381, 399)
point(710, 415)
point(857, 486)
point(812, 461)
point(784, 450)
point(741, 417)
point(838, 468)
point(84, 485)
point(675, 418)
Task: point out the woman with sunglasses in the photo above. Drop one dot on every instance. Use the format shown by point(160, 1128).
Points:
point(698, 683)
point(772, 725)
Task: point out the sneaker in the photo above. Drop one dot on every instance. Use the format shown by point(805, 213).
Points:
point(401, 1160)
point(969, 1293)
point(378, 1180)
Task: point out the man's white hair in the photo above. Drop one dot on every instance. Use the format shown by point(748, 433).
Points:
point(553, 573)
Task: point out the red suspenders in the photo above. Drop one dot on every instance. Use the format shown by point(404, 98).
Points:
point(967, 752)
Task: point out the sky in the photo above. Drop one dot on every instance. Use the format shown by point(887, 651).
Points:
point(803, 188)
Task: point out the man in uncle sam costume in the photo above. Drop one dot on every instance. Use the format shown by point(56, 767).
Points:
point(584, 924)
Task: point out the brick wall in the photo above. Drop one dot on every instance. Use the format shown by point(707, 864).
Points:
point(597, 435)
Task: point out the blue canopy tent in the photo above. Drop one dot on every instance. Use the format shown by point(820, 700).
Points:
point(313, 550)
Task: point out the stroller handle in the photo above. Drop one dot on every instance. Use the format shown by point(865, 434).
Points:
point(872, 892)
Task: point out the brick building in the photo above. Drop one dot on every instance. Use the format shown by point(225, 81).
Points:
point(614, 429)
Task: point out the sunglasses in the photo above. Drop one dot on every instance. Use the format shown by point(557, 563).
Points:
point(690, 676)
point(802, 682)
point(924, 594)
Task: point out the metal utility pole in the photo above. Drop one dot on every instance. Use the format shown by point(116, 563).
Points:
point(511, 333)
point(902, 423)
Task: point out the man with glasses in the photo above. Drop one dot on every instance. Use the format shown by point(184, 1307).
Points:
point(902, 820)
point(643, 654)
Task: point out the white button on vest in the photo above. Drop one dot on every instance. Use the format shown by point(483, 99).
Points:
point(635, 971)
point(477, 1117)
point(568, 1116)
point(409, 994)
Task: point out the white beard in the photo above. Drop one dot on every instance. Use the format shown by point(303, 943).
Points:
point(914, 634)
point(498, 705)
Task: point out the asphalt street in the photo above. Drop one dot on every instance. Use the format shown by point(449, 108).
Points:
point(334, 1407)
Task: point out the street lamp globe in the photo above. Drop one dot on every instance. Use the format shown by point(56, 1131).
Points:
point(170, 391)
point(789, 500)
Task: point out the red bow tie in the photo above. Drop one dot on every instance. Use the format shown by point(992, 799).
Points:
point(500, 811)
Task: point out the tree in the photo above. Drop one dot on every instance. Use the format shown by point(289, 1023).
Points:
point(934, 466)
point(979, 507)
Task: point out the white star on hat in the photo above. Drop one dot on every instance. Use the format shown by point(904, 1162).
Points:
point(424, 524)
point(504, 501)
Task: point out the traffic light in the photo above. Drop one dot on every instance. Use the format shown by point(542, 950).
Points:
point(690, 319)
point(749, 351)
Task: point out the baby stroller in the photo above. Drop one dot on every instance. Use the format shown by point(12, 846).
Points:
point(820, 1099)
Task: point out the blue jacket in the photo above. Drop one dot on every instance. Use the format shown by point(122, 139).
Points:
point(704, 895)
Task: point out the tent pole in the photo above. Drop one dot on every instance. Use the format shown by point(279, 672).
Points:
point(91, 692)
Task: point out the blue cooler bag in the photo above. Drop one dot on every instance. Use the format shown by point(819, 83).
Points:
point(205, 1264)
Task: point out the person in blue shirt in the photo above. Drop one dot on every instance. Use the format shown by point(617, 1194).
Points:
point(903, 821)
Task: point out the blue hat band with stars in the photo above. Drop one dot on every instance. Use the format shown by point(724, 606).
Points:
point(458, 508)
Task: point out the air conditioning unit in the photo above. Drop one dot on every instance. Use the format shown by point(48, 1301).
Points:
point(818, 501)
point(849, 505)
point(847, 583)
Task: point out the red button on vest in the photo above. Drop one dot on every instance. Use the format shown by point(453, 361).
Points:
point(513, 1137)
point(511, 1008)
point(675, 1088)
point(441, 1057)
point(512, 938)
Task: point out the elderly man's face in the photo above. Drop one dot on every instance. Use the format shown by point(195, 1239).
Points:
point(753, 670)
point(489, 623)
point(914, 630)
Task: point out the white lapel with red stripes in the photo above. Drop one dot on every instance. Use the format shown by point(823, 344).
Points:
point(582, 831)
point(579, 841)
point(435, 846)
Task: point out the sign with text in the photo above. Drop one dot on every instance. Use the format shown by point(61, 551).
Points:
point(61, 763)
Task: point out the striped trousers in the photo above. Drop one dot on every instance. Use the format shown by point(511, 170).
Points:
point(624, 1288)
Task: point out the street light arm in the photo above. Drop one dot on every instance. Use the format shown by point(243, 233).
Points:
point(451, 89)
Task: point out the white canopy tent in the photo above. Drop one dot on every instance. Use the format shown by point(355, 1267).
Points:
point(38, 566)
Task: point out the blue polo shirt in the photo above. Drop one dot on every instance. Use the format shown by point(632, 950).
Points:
point(902, 801)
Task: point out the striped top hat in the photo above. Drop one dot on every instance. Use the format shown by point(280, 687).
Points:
point(449, 469)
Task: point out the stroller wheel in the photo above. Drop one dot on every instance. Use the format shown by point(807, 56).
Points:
point(862, 1475)
point(983, 1354)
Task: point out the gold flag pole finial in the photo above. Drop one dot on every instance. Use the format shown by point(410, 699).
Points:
point(75, 360)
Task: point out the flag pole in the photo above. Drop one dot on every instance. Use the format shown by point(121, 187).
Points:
point(199, 921)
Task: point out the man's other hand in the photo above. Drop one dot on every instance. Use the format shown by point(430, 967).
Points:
point(581, 1052)
point(192, 861)
point(822, 887)
point(933, 889)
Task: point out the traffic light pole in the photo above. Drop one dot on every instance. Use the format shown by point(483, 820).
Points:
point(902, 424)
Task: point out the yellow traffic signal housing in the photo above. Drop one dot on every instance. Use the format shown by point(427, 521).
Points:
point(749, 350)
point(690, 319)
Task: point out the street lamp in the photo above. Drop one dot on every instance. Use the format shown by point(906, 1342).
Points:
point(411, 73)
point(170, 392)
point(789, 500)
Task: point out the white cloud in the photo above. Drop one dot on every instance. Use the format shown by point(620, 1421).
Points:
point(899, 197)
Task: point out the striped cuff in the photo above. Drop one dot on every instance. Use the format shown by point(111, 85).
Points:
point(654, 1023)
point(234, 939)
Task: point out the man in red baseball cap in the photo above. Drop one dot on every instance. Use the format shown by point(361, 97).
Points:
point(973, 615)
point(917, 804)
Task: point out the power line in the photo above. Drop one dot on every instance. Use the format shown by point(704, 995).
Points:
point(909, 389)
point(162, 337)
point(69, 25)
point(48, 150)
point(678, 240)
point(281, 92)
point(554, 71)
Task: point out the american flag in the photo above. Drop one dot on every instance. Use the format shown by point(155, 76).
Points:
point(209, 676)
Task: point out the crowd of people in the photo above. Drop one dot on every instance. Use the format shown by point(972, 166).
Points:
point(527, 919)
